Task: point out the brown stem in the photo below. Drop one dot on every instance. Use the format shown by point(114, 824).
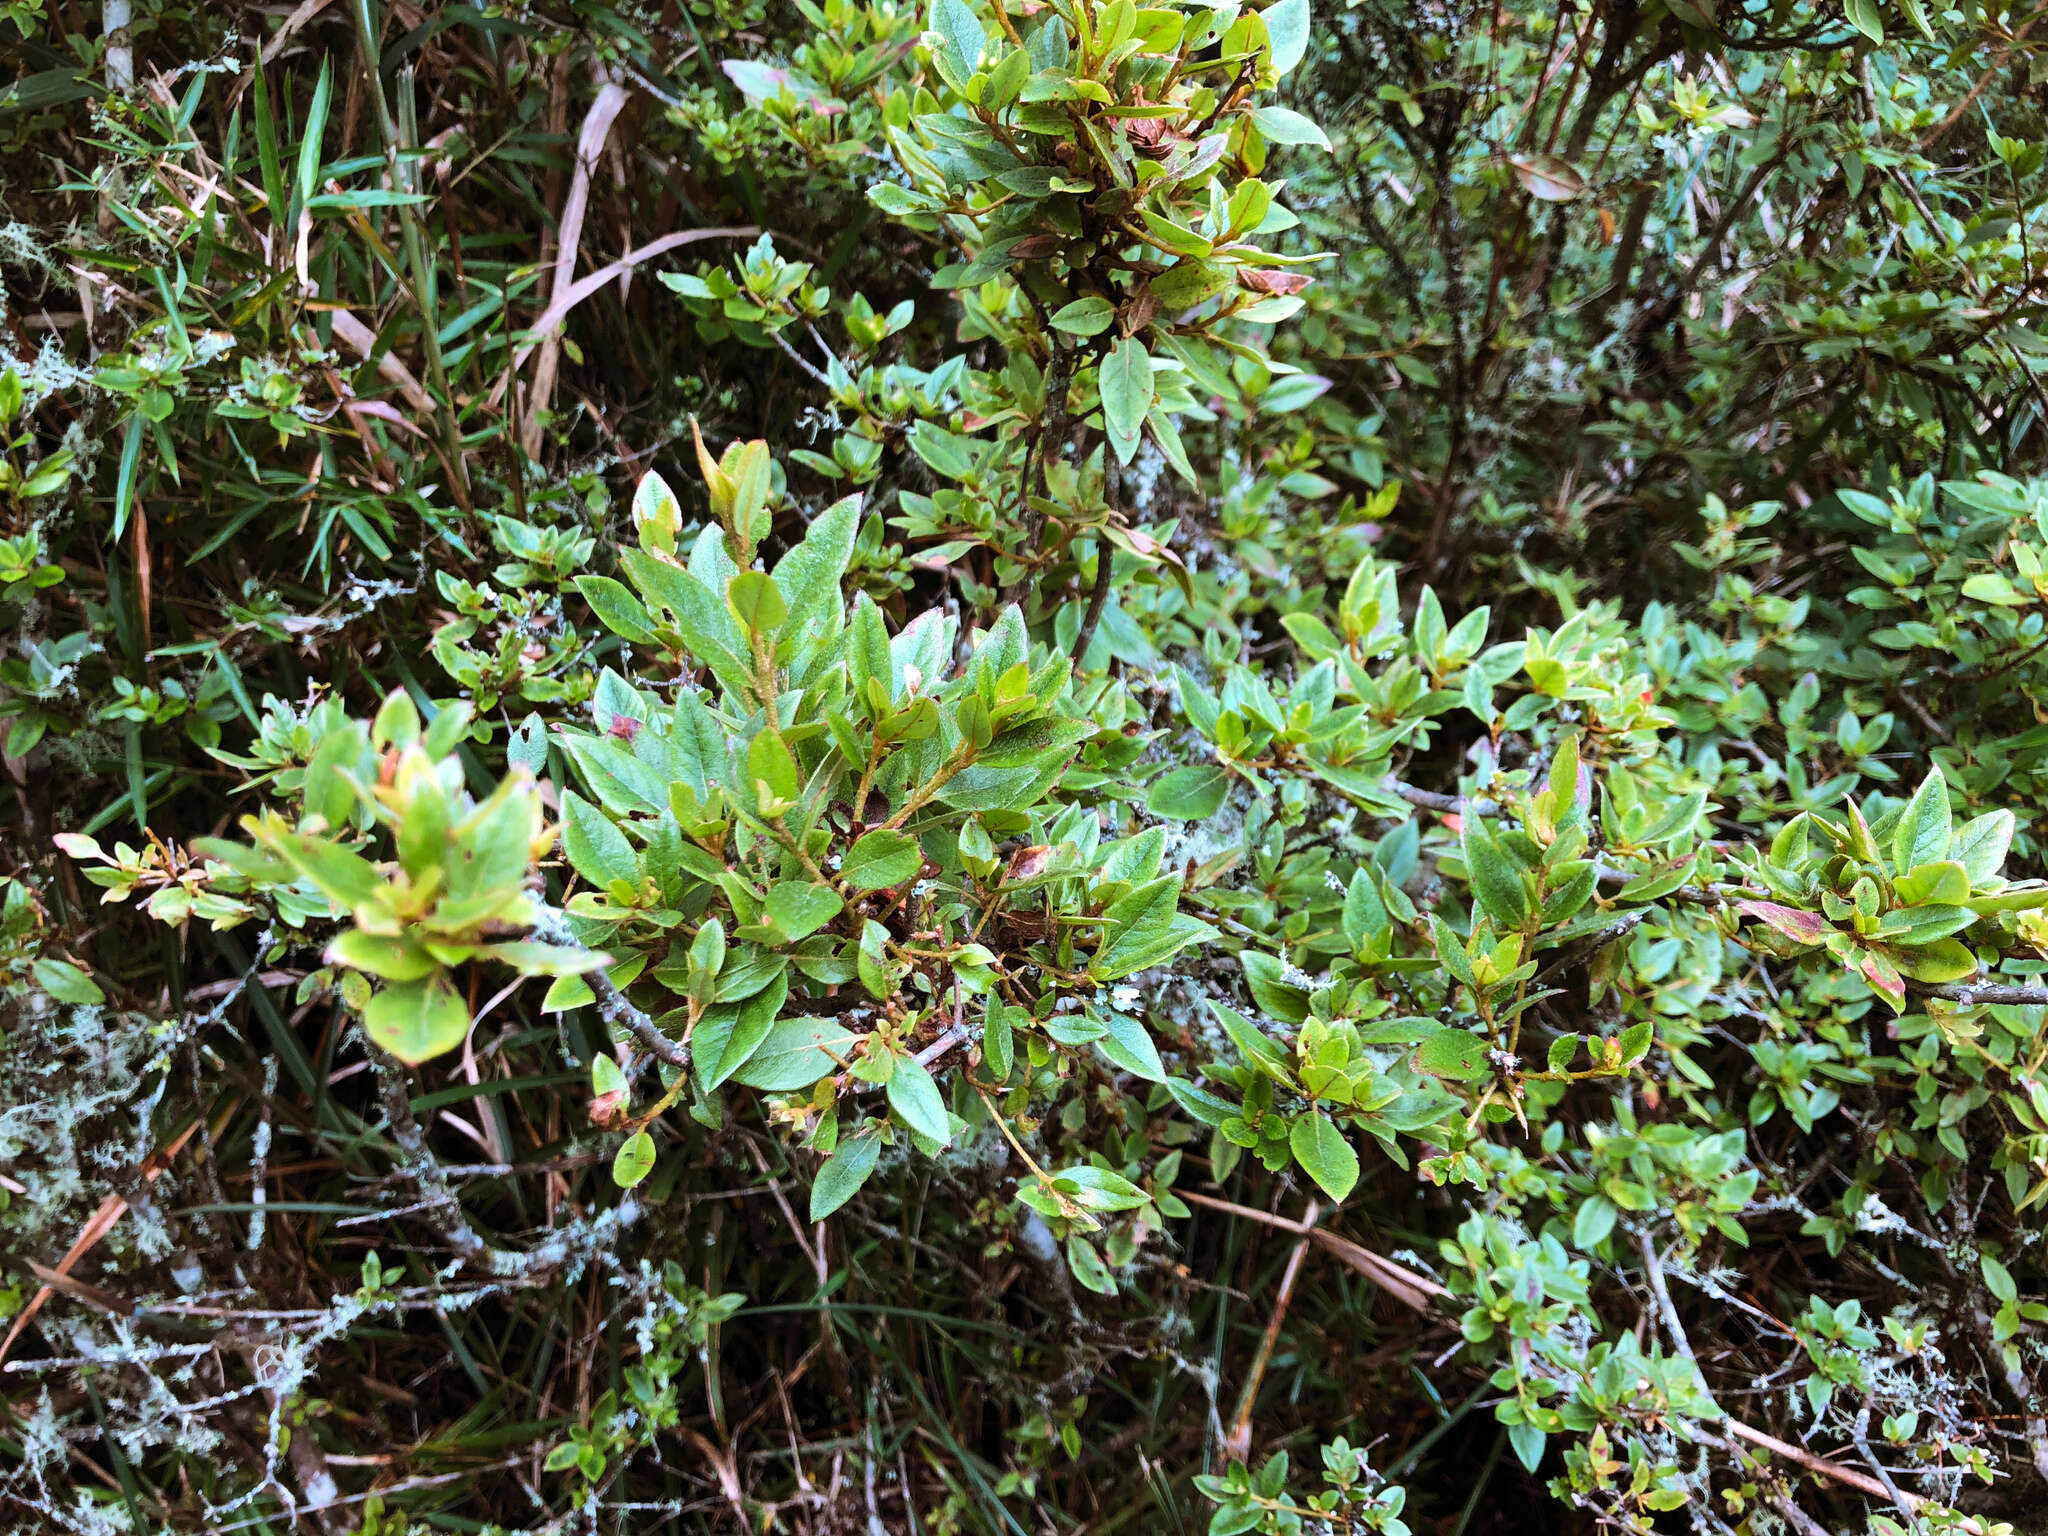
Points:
point(1237, 1444)
point(1653, 1269)
point(1105, 560)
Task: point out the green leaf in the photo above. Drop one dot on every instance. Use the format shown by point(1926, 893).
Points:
point(709, 1040)
point(722, 1051)
point(756, 602)
point(345, 878)
point(1925, 924)
point(66, 983)
point(532, 958)
point(1450, 950)
point(1085, 317)
point(878, 973)
point(1005, 81)
point(1128, 1045)
point(1087, 1266)
point(563, 1457)
point(634, 1160)
point(960, 36)
point(1527, 1440)
point(1152, 939)
point(1097, 1189)
point(1994, 587)
point(1324, 1155)
point(705, 623)
point(1940, 961)
point(1311, 634)
point(1126, 385)
point(1865, 17)
point(1998, 1279)
point(1595, 1219)
point(1922, 833)
point(418, 1020)
point(843, 1173)
point(597, 849)
point(616, 607)
point(1028, 745)
point(915, 1099)
point(1283, 125)
point(1365, 913)
point(572, 991)
point(1945, 882)
point(868, 654)
point(1403, 1029)
point(881, 859)
point(809, 575)
point(1276, 996)
point(1287, 28)
point(799, 909)
point(1981, 845)
point(388, 959)
point(707, 950)
point(996, 1041)
point(1496, 879)
point(1636, 1040)
point(1457, 1054)
point(1208, 1108)
point(1251, 1042)
point(795, 1055)
point(773, 768)
point(750, 468)
point(1194, 793)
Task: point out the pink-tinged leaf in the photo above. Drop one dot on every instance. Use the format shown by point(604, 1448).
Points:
point(754, 78)
point(765, 82)
point(1030, 863)
point(385, 412)
point(1881, 974)
point(1260, 280)
point(1800, 927)
point(1548, 177)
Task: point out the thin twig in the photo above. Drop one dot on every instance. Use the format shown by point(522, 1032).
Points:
point(1978, 994)
point(1653, 1268)
point(1859, 1435)
point(1105, 561)
point(1237, 1444)
point(1403, 1284)
point(617, 1008)
point(259, 1157)
point(566, 300)
point(1848, 1477)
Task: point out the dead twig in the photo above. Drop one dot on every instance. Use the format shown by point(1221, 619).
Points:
point(1237, 1444)
point(597, 127)
point(1403, 1284)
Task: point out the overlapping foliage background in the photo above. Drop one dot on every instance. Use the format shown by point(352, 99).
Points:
point(1028, 767)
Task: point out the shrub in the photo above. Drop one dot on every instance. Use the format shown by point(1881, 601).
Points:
point(1303, 745)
